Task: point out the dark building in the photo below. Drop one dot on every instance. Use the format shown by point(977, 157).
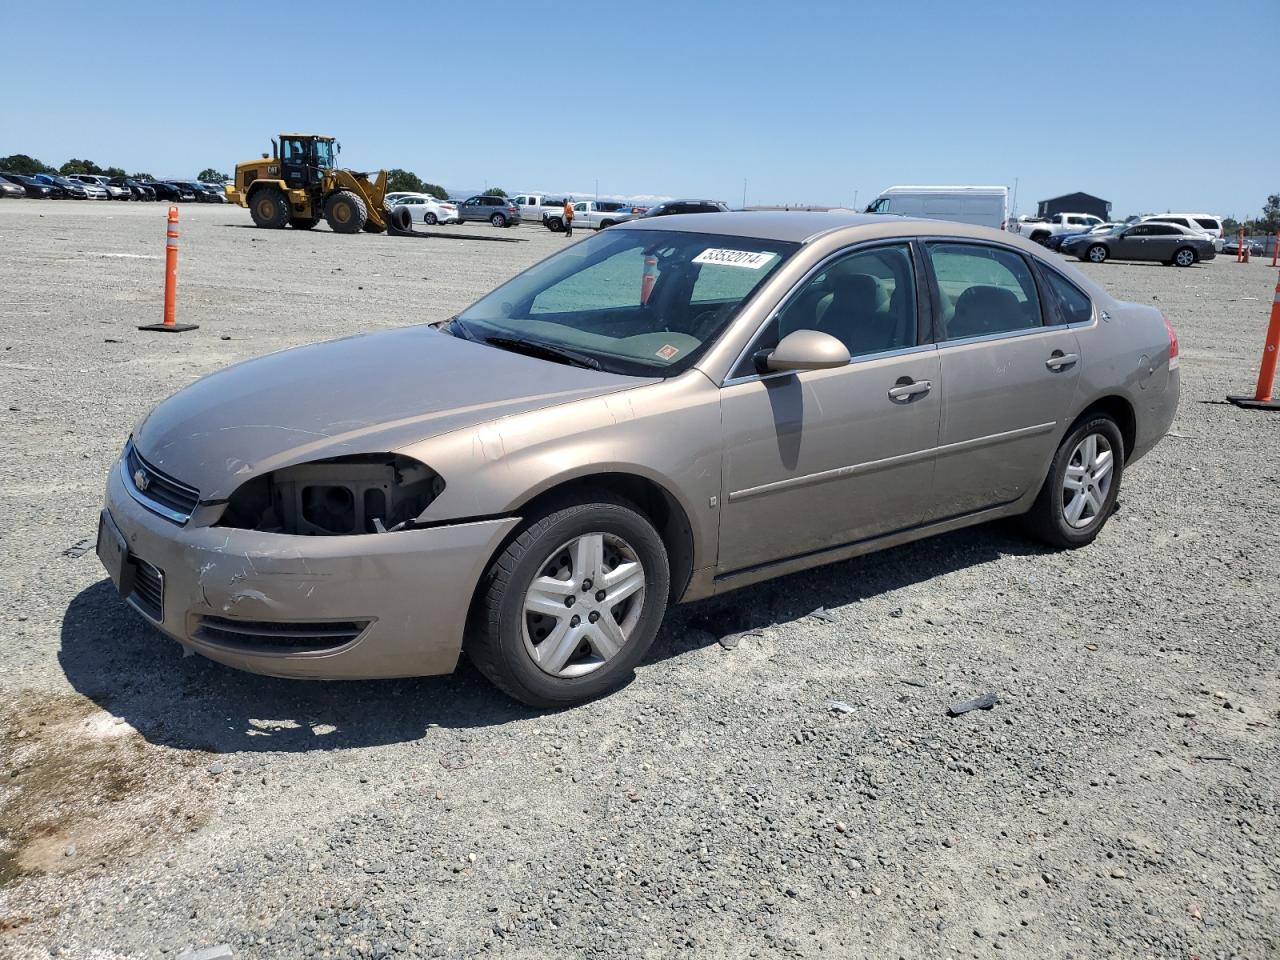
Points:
point(1075, 203)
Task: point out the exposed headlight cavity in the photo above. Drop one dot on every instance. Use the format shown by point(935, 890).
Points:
point(348, 495)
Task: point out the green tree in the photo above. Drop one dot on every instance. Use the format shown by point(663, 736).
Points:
point(1269, 222)
point(437, 191)
point(400, 181)
point(79, 166)
point(114, 172)
point(494, 192)
point(27, 166)
point(142, 176)
point(211, 175)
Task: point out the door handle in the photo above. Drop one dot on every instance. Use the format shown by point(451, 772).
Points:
point(906, 389)
point(1059, 360)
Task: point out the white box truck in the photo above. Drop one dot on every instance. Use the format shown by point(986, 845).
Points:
point(981, 206)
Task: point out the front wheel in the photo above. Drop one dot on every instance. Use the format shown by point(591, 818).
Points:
point(1080, 491)
point(554, 224)
point(498, 220)
point(430, 219)
point(1097, 253)
point(345, 212)
point(1186, 257)
point(569, 608)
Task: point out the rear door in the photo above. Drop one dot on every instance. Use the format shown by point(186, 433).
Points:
point(1009, 369)
point(1162, 242)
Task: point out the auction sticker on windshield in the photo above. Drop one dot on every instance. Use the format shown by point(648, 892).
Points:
point(735, 258)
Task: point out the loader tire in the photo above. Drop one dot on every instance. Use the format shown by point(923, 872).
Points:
point(345, 212)
point(269, 208)
point(399, 219)
point(303, 223)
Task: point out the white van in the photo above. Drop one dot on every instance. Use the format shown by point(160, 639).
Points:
point(1206, 223)
point(981, 206)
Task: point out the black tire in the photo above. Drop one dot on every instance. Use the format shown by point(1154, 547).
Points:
point(269, 208)
point(399, 219)
point(498, 220)
point(345, 212)
point(1040, 237)
point(1185, 257)
point(495, 640)
point(303, 223)
point(1046, 520)
point(430, 219)
point(554, 224)
point(1097, 253)
point(606, 224)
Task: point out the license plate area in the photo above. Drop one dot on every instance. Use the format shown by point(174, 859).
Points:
point(113, 552)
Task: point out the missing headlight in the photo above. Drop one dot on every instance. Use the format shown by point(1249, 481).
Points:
point(345, 495)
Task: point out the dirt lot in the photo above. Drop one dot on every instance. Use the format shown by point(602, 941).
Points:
point(1123, 799)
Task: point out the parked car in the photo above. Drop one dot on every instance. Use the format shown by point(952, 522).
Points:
point(1232, 247)
point(499, 211)
point(114, 191)
point(186, 192)
point(35, 190)
point(1163, 242)
point(10, 190)
point(167, 191)
point(1205, 223)
point(217, 191)
point(391, 198)
point(429, 209)
point(671, 207)
point(535, 206)
point(1040, 229)
point(62, 187)
point(593, 214)
point(93, 190)
point(197, 190)
point(137, 189)
point(538, 478)
point(1055, 242)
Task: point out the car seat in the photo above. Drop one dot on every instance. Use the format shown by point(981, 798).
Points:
point(983, 310)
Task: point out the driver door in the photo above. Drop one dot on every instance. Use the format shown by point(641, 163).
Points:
point(293, 163)
point(821, 458)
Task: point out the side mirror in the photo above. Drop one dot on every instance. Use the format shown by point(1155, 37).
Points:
point(805, 350)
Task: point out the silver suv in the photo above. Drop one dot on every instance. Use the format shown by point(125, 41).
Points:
point(500, 211)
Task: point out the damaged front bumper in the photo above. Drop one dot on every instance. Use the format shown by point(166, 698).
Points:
point(323, 607)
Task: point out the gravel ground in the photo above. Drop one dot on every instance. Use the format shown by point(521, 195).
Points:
point(1122, 799)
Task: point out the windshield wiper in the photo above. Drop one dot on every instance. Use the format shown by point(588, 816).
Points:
point(536, 348)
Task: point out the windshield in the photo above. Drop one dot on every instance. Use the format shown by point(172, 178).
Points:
point(638, 302)
point(324, 153)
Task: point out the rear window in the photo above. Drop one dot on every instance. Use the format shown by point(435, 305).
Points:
point(1209, 223)
point(1074, 305)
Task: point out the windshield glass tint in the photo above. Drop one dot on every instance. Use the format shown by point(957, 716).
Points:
point(641, 302)
point(324, 153)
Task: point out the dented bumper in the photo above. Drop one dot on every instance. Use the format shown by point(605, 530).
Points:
point(247, 599)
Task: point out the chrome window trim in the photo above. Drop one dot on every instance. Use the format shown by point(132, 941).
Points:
point(795, 290)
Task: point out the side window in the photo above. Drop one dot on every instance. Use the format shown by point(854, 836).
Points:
point(1208, 223)
point(866, 300)
point(1074, 305)
point(984, 290)
point(1141, 230)
point(580, 207)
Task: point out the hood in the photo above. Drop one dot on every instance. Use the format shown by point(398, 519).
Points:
point(369, 394)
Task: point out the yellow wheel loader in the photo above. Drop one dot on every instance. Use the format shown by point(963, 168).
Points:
point(297, 184)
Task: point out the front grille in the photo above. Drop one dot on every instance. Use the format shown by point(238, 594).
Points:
point(148, 589)
point(157, 490)
point(279, 635)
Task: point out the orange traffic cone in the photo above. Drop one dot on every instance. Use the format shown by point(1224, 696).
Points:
point(1262, 394)
point(170, 282)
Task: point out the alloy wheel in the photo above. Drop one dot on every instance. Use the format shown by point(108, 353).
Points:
point(1087, 480)
point(583, 607)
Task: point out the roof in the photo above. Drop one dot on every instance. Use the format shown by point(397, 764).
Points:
point(1074, 193)
point(795, 227)
point(943, 187)
point(312, 136)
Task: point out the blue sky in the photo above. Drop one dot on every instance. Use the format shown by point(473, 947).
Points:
point(807, 101)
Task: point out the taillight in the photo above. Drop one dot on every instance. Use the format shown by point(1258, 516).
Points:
point(1173, 341)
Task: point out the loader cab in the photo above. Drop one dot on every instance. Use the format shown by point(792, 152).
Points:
point(304, 159)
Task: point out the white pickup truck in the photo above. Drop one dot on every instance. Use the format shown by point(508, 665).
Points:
point(1040, 229)
point(595, 214)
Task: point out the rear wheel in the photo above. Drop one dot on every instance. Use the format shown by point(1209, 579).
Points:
point(303, 223)
point(1185, 257)
point(345, 212)
point(606, 224)
point(430, 218)
point(1080, 491)
point(1097, 253)
point(554, 224)
point(498, 220)
point(569, 608)
point(269, 208)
